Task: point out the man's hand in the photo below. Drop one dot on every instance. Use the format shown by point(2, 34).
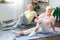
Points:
point(20, 17)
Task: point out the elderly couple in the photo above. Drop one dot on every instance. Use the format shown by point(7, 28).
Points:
point(44, 21)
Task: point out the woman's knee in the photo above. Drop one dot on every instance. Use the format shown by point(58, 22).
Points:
point(45, 31)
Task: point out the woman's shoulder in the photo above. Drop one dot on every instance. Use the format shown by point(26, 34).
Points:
point(52, 17)
point(42, 14)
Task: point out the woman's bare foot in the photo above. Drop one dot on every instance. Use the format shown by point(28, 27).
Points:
point(21, 33)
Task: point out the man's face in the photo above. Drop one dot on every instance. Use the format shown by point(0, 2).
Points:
point(30, 7)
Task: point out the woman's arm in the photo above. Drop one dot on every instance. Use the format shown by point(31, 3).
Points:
point(53, 24)
point(53, 27)
point(37, 20)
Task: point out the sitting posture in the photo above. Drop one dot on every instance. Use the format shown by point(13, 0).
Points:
point(44, 22)
point(25, 18)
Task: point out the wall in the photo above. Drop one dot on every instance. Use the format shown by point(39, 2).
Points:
point(54, 3)
point(10, 11)
point(22, 7)
point(7, 11)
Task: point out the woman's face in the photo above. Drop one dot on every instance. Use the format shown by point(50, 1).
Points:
point(49, 10)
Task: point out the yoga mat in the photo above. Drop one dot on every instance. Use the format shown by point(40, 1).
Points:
point(40, 35)
point(8, 35)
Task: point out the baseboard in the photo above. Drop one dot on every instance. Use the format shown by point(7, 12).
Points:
point(8, 21)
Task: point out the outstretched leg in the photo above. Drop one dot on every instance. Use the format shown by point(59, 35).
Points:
point(18, 22)
point(26, 31)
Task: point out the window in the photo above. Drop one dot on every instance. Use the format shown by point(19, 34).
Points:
point(2, 1)
point(6, 1)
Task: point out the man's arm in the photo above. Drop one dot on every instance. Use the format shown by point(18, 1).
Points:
point(21, 16)
point(35, 14)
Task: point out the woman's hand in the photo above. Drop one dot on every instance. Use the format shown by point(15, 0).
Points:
point(36, 29)
point(36, 19)
point(53, 27)
point(39, 22)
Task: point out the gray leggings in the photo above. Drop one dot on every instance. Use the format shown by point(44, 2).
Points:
point(18, 22)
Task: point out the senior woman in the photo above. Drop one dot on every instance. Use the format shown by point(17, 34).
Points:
point(44, 22)
point(25, 18)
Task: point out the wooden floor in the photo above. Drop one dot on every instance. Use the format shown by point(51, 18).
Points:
point(57, 37)
point(9, 21)
point(57, 24)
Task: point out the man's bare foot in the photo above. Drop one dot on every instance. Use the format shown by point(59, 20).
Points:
point(21, 33)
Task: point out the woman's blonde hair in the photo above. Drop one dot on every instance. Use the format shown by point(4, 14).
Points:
point(48, 7)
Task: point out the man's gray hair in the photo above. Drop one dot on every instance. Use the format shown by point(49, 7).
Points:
point(29, 5)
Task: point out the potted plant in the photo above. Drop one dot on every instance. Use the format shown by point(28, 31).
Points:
point(56, 14)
